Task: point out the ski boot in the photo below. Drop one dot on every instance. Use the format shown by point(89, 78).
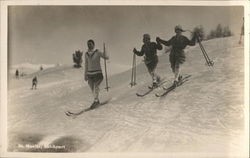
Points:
point(95, 104)
point(179, 78)
point(154, 85)
point(158, 79)
point(175, 84)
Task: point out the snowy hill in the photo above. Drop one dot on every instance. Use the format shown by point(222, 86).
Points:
point(205, 115)
point(28, 68)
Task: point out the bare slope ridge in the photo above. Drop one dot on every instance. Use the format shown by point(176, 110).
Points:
point(203, 115)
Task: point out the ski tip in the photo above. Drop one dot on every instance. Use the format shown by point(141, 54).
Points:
point(67, 113)
point(157, 95)
point(70, 112)
point(139, 95)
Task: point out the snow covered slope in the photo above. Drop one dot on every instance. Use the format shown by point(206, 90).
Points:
point(205, 115)
point(28, 68)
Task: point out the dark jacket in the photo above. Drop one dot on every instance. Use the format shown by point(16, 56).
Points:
point(179, 43)
point(150, 51)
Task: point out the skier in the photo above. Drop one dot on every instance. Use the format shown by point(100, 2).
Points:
point(149, 50)
point(17, 74)
point(93, 72)
point(177, 56)
point(34, 82)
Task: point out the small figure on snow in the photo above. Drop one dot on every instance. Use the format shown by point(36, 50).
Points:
point(93, 72)
point(17, 74)
point(177, 56)
point(149, 50)
point(34, 82)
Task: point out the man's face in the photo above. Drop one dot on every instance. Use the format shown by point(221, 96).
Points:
point(91, 45)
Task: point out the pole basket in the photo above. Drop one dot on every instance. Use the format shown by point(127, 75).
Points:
point(132, 84)
point(210, 63)
point(107, 88)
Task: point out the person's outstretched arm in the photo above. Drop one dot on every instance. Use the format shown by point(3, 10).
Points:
point(193, 40)
point(139, 53)
point(166, 43)
point(158, 45)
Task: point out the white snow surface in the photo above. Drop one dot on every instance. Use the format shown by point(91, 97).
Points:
point(204, 115)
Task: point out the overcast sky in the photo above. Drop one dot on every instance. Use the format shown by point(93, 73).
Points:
point(50, 34)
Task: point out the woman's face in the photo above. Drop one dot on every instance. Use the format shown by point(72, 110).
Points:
point(91, 45)
point(178, 32)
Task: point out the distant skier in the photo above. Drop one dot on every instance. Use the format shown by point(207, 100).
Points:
point(17, 74)
point(149, 50)
point(34, 82)
point(177, 56)
point(93, 71)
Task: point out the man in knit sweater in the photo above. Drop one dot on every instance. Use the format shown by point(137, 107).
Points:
point(149, 50)
point(177, 56)
point(93, 72)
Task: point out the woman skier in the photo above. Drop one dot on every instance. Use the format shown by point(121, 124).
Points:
point(93, 72)
point(177, 56)
point(149, 50)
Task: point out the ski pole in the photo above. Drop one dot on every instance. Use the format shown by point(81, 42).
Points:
point(135, 71)
point(208, 60)
point(133, 75)
point(132, 70)
point(203, 52)
point(105, 66)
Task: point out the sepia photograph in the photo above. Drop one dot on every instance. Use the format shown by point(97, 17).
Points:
point(85, 78)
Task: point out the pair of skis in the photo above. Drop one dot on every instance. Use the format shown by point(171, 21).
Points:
point(74, 114)
point(150, 89)
point(165, 90)
point(172, 87)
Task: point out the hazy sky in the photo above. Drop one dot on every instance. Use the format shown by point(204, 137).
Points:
point(50, 34)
